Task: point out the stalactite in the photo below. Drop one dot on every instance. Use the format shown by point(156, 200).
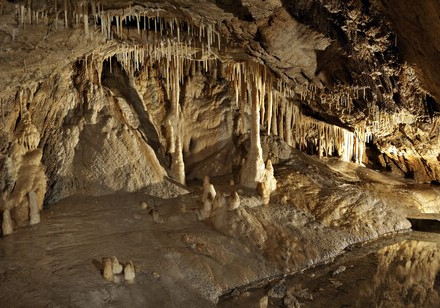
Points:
point(251, 81)
point(288, 126)
point(86, 24)
point(281, 121)
point(269, 112)
point(275, 117)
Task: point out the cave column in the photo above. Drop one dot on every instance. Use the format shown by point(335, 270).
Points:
point(253, 170)
point(174, 126)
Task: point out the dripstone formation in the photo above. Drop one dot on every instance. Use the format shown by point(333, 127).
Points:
point(290, 127)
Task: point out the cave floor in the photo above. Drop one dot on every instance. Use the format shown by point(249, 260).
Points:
point(58, 261)
point(183, 262)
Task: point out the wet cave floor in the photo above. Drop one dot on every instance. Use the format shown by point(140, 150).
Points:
point(402, 270)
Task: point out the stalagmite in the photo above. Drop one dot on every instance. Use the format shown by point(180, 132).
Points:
point(264, 191)
point(269, 176)
point(144, 205)
point(116, 266)
point(234, 202)
point(107, 271)
point(7, 223)
point(208, 189)
point(129, 273)
point(178, 165)
point(219, 202)
point(34, 209)
point(205, 211)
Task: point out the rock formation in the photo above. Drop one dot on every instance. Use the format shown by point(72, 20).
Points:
point(319, 110)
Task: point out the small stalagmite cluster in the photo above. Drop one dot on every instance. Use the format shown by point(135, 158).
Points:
point(216, 202)
point(111, 267)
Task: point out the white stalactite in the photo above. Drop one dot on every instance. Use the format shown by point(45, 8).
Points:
point(269, 112)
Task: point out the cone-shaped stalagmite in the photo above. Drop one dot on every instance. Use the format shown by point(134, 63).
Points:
point(234, 202)
point(107, 269)
point(129, 273)
point(208, 189)
point(116, 266)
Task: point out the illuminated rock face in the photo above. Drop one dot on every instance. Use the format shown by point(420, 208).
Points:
point(288, 104)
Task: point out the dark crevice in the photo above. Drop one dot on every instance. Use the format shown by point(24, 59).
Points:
point(425, 224)
point(432, 106)
point(235, 7)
